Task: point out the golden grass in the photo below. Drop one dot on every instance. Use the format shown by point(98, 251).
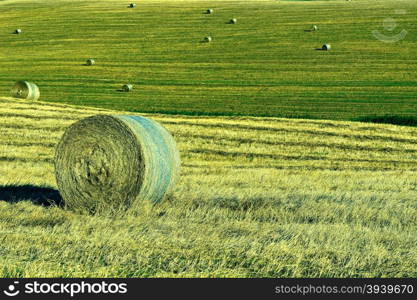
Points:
point(257, 197)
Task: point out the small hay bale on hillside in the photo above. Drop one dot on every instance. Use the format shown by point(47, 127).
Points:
point(127, 87)
point(209, 11)
point(18, 31)
point(132, 5)
point(25, 90)
point(113, 163)
point(207, 39)
point(314, 28)
point(326, 47)
point(233, 21)
point(90, 62)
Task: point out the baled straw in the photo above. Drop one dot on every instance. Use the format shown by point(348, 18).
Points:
point(326, 47)
point(112, 163)
point(25, 90)
point(127, 87)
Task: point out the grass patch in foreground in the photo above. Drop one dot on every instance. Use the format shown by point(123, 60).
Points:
point(257, 197)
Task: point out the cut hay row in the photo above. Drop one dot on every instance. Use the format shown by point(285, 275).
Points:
point(344, 130)
point(47, 107)
point(256, 143)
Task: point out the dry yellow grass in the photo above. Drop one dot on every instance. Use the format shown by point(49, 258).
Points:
point(257, 197)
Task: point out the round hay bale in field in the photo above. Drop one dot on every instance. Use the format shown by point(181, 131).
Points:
point(18, 31)
point(207, 39)
point(25, 90)
point(90, 62)
point(209, 11)
point(111, 163)
point(127, 87)
point(326, 47)
point(314, 28)
point(132, 5)
point(233, 21)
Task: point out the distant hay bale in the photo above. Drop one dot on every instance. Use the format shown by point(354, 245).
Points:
point(233, 21)
point(112, 163)
point(207, 39)
point(326, 47)
point(209, 11)
point(132, 5)
point(127, 87)
point(25, 90)
point(18, 31)
point(90, 62)
point(314, 28)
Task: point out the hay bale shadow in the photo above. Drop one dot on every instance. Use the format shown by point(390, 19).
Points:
point(42, 196)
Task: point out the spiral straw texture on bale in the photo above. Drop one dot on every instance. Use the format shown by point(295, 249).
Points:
point(25, 90)
point(111, 163)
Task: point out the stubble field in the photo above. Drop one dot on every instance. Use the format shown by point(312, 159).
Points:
point(260, 195)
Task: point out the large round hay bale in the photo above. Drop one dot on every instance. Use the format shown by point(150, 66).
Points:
point(209, 11)
point(90, 62)
point(18, 31)
point(314, 28)
point(112, 163)
point(326, 47)
point(207, 39)
point(25, 90)
point(132, 5)
point(233, 21)
point(127, 87)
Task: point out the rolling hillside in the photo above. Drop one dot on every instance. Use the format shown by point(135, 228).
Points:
point(259, 197)
point(265, 65)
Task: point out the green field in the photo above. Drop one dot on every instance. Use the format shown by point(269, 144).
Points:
point(265, 65)
point(259, 195)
